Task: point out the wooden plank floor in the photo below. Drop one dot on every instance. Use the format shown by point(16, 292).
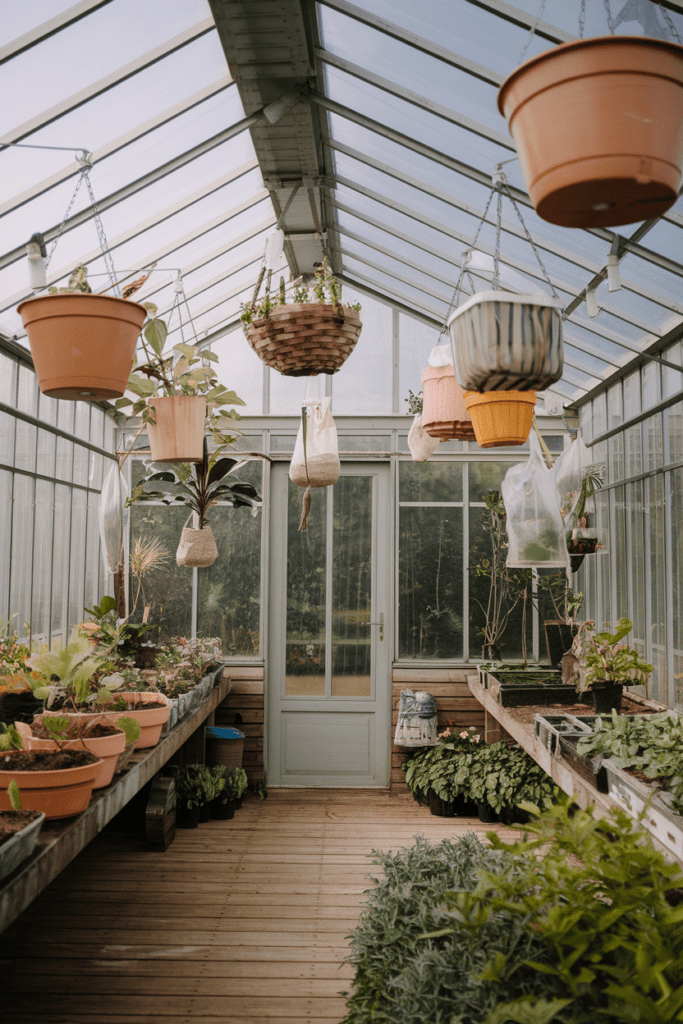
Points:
point(237, 922)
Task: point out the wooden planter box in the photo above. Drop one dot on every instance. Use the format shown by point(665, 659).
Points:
point(632, 795)
point(303, 338)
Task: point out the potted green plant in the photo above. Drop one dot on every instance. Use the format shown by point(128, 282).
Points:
point(194, 789)
point(106, 739)
point(441, 773)
point(19, 831)
point(56, 782)
point(582, 539)
point(231, 786)
point(606, 666)
point(306, 336)
point(198, 488)
point(503, 777)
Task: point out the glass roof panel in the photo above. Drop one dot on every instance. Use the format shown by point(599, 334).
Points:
point(19, 17)
point(88, 50)
point(566, 16)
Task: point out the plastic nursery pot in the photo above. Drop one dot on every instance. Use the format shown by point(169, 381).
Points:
point(82, 345)
point(303, 338)
point(598, 125)
point(500, 418)
point(177, 435)
point(59, 793)
point(107, 748)
point(187, 817)
point(222, 811)
point(15, 850)
point(444, 414)
point(606, 697)
point(504, 342)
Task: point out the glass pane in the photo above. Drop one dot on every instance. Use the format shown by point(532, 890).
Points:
point(22, 551)
point(636, 554)
point(416, 340)
point(435, 481)
point(306, 596)
point(230, 590)
point(60, 563)
point(77, 557)
point(657, 630)
point(7, 425)
point(430, 603)
point(93, 561)
point(5, 541)
point(677, 583)
point(168, 589)
point(46, 453)
point(352, 587)
point(42, 562)
point(65, 455)
point(8, 379)
point(367, 363)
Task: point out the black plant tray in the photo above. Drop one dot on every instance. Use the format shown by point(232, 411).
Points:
point(590, 769)
point(513, 695)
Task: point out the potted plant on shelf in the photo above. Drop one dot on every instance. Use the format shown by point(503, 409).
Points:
point(82, 344)
point(606, 666)
point(56, 782)
point(199, 488)
point(105, 739)
point(585, 164)
point(19, 831)
point(582, 540)
point(306, 336)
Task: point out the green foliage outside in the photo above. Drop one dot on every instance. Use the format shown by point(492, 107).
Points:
point(573, 926)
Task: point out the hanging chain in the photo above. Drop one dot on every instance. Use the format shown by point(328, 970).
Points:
point(530, 239)
point(534, 26)
point(464, 270)
point(582, 19)
point(610, 21)
point(495, 280)
point(64, 220)
point(669, 22)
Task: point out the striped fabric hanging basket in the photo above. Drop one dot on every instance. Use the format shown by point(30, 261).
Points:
point(507, 342)
point(444, 414)
point(303, 338)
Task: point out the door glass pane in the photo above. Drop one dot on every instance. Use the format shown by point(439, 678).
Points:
point(306, 586)
point(352, 587)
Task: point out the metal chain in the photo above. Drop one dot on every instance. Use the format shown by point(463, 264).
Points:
point(464, 270)
point(531, 33)
point(582, 19)
point(530, 239)
point(610, 21)
point(104, 245)
point(495, 281)
point(66, 217)
point(669, 22)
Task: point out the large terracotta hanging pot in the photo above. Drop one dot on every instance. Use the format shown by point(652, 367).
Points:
point(177, 435)
point(598, 125)
point(82, 345)
point(303, 338)
point(444, 414)
point(507, 342)
point(501, 418)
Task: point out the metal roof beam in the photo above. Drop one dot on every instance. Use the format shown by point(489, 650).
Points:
point(524, 20)
point(422, 102)
point(108, 82)
point(49, 28)
point(113, 147)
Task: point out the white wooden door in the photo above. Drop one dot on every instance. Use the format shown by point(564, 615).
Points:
point(328, 676)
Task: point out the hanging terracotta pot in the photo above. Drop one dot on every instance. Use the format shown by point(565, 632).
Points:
point(501, 418)
point(177, 435)
point(82, 345)
point(506, 342)
point(197, 548)
point(303, 338)
point(598, 125)
point(444, 414)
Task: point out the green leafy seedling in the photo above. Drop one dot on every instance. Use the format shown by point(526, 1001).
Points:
point(131, 727)
point(10, 738)
point(14, 795)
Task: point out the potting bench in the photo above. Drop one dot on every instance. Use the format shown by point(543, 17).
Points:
point(61, 841)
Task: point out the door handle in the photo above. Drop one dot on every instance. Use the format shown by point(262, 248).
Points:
point(380, 624)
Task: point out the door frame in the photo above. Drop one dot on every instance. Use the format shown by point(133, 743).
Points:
point(382, 600)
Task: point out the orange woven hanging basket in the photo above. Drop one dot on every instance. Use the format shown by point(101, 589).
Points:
point(500, 418)
point(304, 338)
point(444, 414)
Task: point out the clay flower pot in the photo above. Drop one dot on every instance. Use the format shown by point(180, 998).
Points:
point(598, 125)
point(177, 435)
point(300, 339)
point(501, 418)
point(151, 719)
point(82, 345)
point(504, 342)
point(60, 792)
point(444, 414)
point(107, 748)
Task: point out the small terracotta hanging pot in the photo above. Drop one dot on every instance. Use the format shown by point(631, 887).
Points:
point(598, 125)
point(82, 345)
point(501, 418)
point(444, 414)
point(177, 435)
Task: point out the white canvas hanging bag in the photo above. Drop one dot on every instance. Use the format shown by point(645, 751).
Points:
point(315, 462)
point(197, 547)
point(421, 444)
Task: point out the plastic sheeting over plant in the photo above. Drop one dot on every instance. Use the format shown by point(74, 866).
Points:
point(536, 532)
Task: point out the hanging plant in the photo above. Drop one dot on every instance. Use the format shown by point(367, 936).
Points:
point(198, 487)
point(307, 336)
point(598, 126)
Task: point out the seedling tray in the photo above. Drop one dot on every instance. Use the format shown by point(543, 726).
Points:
point(513, 695)
point(637, 798)
point(591, 769)
point(549, 728)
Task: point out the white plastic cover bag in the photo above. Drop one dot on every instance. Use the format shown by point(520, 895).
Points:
point(319, 465)
point(441, 355)
point(569, 470)
point(421, 444)
point(536, 532)
point(113, 522)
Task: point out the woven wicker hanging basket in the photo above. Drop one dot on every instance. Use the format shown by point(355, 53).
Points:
point(303, 338)
point(444, 414)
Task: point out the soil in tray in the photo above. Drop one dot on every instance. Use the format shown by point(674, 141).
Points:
point(92, 732)
point(45, 760)
point(12, 822)
point(526, 714)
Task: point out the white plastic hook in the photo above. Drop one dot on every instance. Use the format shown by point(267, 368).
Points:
point(592, 303)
